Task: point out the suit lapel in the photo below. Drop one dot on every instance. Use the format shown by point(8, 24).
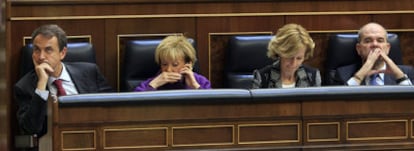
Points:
point(77, 77)
point(345, 73)
point(388, 80)
point(34, 82)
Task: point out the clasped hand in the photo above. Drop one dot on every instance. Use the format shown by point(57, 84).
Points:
point(43, 71)
point(185, 73)
point(376, 57)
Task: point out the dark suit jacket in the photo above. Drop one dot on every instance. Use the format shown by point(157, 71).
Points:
point(31, 114)
point(343, 74)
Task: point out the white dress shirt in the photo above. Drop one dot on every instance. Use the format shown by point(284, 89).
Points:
point(67, 84)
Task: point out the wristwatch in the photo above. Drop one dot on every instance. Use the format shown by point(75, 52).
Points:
point(405, 77)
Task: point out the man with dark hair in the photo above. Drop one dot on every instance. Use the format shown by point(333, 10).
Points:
point(52, 77)
point(376, 67)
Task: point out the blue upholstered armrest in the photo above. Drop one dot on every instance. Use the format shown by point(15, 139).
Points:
point(335, 93)
point(239, 95)
point(148, 97)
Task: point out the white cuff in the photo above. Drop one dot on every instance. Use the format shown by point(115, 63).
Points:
point(352, 82)
point(405, 82)
point(44, 94)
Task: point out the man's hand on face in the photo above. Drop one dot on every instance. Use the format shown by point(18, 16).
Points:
point(368, 68)
point(375, 61)
point(374, 55)
point(43, 71)
point(392, 68)
point(372, 59)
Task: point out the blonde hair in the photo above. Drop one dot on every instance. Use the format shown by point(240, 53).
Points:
point(175, 47)
point(289, 40)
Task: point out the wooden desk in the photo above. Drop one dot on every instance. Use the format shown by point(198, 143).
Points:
point(236, 119)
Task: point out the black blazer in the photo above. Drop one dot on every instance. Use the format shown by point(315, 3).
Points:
point(343, 74)
point(31, 114)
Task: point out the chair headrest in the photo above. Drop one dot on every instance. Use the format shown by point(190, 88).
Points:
point(76, 52)
point(139, 59)
point(247, 53)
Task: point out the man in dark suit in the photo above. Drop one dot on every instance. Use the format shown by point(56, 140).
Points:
point(33, 89)
point(376, 67)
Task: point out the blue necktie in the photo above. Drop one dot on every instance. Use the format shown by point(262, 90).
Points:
point(373, 79)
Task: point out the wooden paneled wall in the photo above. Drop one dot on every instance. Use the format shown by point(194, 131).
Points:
point(209, 22)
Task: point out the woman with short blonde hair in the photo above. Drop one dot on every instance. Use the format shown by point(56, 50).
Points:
point(176, 57)
point(290, 39)
point(175, 47)
point(291, 46)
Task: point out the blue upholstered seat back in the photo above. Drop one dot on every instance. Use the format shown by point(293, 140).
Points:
point(245, 54)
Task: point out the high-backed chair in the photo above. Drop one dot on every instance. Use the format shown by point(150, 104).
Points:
point(139, 62)
point(245, 54)
point(76, 52)
point(341, 51)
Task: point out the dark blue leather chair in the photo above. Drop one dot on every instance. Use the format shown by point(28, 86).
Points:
point(245, 54)
point(341, 51)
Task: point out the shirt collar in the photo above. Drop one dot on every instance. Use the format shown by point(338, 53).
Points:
point(383, 68)
point(63, 76)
